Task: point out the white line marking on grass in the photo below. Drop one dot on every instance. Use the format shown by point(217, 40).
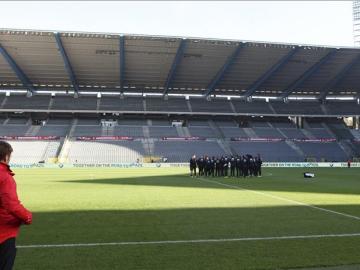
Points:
point(281, 198)
point(198, 241)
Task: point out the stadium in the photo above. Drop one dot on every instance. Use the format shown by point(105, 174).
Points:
point(103, 126)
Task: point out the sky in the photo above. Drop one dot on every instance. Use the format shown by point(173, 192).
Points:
point(300, 22)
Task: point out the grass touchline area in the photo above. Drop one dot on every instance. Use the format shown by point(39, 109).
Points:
point(161, 219)
point(281, 198)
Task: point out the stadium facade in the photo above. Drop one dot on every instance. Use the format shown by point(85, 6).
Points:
point(140, 98)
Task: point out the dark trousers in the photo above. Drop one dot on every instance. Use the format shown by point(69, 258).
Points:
point(232, 171)
point(192, 171)
point(7, 254)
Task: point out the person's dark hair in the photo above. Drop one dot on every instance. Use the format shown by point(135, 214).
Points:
point(5, 150)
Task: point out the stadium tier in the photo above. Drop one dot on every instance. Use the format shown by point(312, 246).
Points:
point(132, 98)
point(138, 139)
point(174, 105)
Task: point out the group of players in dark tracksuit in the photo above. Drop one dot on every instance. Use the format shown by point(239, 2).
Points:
point(234, 166)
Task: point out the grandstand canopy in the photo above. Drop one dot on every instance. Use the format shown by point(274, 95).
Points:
point(101, 62)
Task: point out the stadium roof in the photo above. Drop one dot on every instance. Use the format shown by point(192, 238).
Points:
point(100, 62)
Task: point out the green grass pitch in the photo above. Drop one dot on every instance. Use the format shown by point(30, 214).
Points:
point(77, 206)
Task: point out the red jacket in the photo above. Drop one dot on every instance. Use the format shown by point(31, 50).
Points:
point(12, 213)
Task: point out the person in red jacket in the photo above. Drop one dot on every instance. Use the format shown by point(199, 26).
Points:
point(12, 213)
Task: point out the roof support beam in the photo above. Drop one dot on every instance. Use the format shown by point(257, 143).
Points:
point(218, 77)
point(122, 62)
point(295, 85)
point(18, 71)
point(67, 63)
point(177, 59)
point(255, 86)
point(337, 79)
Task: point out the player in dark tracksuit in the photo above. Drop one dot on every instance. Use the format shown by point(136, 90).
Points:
point(208, 166)
point(213, 165)
point(201, 165)
point(246, 164)
point(226, 166)
point(238, 166)
point(252, 166)
point(217, 167)
point(193, 166)
point(232, 166)
point(258, 165)
point(222, 162)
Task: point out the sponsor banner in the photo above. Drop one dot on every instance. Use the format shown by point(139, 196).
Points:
point(132, 165)
point(183, 138)
point(32, 138)
point(257, 139)
point(314, 140)
point(108, 165)
point(100, 165)
point(309, 164)
point(182, 165)
point(104, 138)
point(241, 139)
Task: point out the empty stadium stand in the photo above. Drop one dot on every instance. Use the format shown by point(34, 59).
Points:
point(106, 152)
point(325, 151)
point(269, 151)
point(29, 152)
point(219, 90)
point(149, 133)
point(181, 151)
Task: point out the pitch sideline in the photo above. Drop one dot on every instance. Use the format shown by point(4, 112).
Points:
point(197, 241)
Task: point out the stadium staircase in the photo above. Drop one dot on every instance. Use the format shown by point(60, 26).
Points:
point(3, 102)
point(6, 121)
point(221, 138)
point(61, 145)
point(64, 152)
point(308, 134)
point(186, 131)
point(306, 130)
point(340, 133)
point(232, 106)
point(326, 127)
point(355, 133)
point(282, 133)
point(51, 103)
point(324, 109)
point(217, 131)
point(181, 132)
point(349, 148)
point(250, 133)
point(272, 108)
point(32, 131)
point(146, 131)
point(296, 148)
point(189, 105)
point(72, 127)
point(226, 147)
point(98, 102)
point(144, 105)
point(50, 148)
point(107, 131)
point(149, 147)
